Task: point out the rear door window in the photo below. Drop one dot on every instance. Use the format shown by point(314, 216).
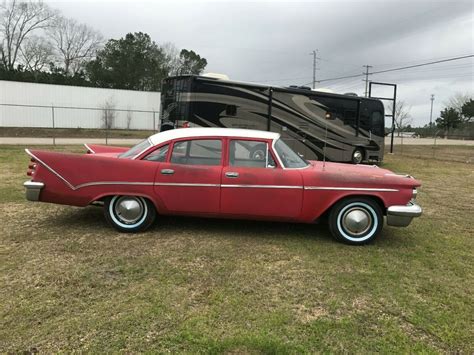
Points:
point(253, 154)
point(197, 152)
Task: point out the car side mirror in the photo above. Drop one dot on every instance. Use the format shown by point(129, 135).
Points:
point(271, 166)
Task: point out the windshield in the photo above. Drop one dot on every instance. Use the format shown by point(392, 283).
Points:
point(140, 147)
point(288, 157)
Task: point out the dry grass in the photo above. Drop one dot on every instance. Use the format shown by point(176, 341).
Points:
point(69, 282)
point(450, 153)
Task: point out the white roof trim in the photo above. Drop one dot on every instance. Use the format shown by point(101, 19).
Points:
point(219, 132)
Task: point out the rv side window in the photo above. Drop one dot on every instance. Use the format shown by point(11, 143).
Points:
point(231, 110)
point(350, 117)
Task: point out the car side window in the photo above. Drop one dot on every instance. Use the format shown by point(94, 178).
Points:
point(197, 152)
point(251, 154)
point(158, 155)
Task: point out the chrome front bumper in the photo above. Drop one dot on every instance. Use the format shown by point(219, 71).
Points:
point(33, 190)
point(401, 216)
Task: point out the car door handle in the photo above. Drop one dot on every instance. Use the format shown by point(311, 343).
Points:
point(231, 174)
point(167, 171)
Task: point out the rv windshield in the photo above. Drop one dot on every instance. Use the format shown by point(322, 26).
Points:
point(288, 157)
point(140, 147)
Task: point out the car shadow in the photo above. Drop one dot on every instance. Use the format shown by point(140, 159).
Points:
point(92, 218)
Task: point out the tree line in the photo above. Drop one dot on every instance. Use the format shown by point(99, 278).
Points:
point(38, 44)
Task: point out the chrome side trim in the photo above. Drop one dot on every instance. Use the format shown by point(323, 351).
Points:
point(185, 184)
point(33, 189)
point(50, 169)
point(263, 186)
point(77, 187)
point(399, 175)
point(89, 148)
point(348, 188)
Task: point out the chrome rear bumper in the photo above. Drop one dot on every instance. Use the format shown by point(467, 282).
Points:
point(401, 216)
point(33, 190)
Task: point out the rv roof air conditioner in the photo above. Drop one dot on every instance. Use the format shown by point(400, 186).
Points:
point(216, 76)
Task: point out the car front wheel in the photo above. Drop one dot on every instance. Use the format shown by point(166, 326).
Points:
point(129, 213)
point(356, 221)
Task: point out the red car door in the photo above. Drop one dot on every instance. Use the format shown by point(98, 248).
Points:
point(189, 182)
point(254, 186)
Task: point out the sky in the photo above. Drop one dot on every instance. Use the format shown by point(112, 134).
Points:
point(270, 42)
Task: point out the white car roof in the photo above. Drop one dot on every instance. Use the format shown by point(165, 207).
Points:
point(212, 131)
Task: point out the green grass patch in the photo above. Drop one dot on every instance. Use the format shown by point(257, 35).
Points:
point(71, 283)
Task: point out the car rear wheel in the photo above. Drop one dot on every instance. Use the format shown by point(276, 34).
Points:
point(129, 213)
point(356, 221)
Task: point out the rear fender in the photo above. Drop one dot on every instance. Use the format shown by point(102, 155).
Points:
point(78, 179)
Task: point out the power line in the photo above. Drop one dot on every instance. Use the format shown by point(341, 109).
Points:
point(423, 64)
point(396, 69)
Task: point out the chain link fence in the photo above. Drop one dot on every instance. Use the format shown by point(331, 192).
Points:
point(55, 122)
point(458, 148)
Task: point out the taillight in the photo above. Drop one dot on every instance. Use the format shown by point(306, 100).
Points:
point(31, 167)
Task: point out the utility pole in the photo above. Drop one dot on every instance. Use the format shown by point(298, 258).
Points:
point(431, 112)
point(315, 58)
point(367, 79)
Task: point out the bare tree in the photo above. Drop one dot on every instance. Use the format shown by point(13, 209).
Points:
point(74, 43)
point(18, 19)
point(36, 53)
point(108, 114)
point(458, 100)
point(402, 115)
point(171, 53)
point(129, 117)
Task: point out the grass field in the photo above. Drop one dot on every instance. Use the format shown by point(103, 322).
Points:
point(69, 282)
point(451, 153)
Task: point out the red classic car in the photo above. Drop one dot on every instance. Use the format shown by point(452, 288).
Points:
point(228, 173)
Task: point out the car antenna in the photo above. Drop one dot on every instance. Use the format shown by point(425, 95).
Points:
point(328, 117)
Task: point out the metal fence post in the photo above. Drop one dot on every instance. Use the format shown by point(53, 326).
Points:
point(52, 117)
point(106, 128)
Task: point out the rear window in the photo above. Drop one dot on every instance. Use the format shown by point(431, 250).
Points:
point(140, 147)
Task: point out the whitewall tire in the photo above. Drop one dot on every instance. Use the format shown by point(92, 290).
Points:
point(356, 220)
point(129, 213)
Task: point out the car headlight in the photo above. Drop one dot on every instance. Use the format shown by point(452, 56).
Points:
point(414, 194)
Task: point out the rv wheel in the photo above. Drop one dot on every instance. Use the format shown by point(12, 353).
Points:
point(357, 156)
point(258, 153)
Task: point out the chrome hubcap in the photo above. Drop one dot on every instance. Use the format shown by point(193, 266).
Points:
point(357, 221)
point(357, 156)
point(129, 209)
point(258, 155)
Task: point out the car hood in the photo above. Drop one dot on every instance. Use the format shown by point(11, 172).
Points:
point(339, 174)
